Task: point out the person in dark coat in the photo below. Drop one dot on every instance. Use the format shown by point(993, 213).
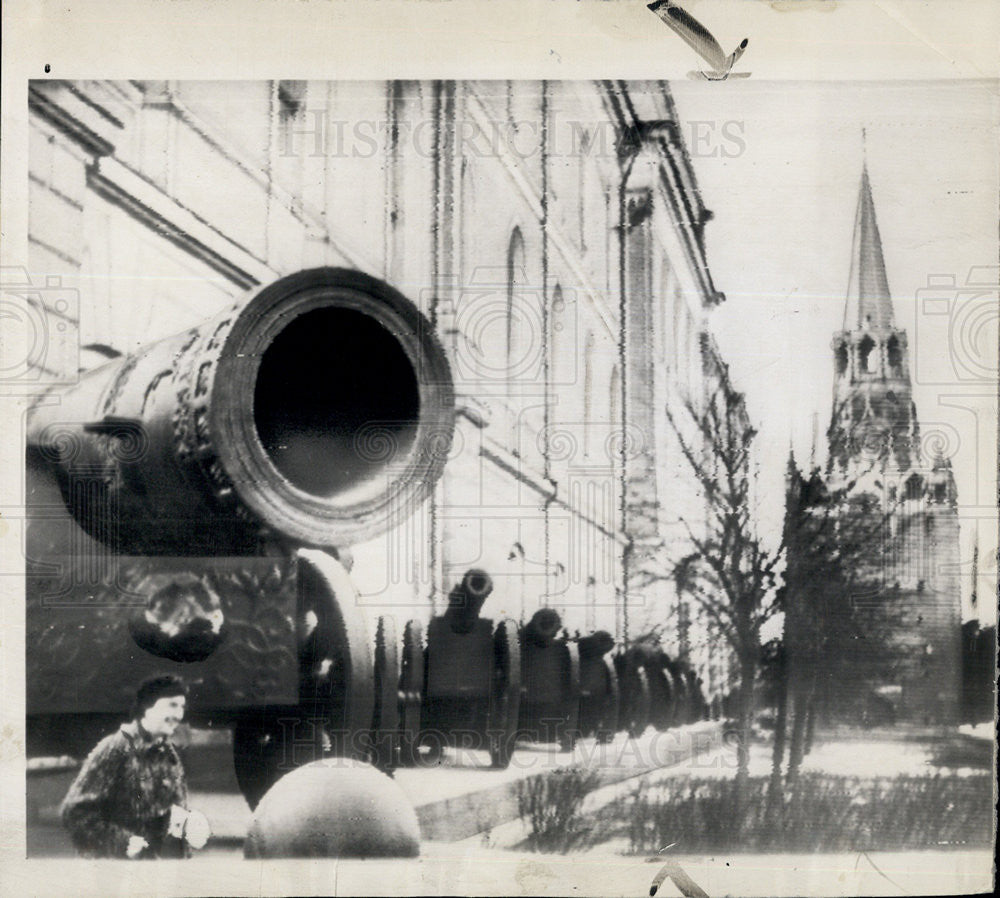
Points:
point(129, 799)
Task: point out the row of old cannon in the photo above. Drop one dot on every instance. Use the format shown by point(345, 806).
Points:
point(472, 683)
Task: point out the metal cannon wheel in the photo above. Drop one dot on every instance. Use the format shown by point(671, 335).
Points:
point(336, 686)
point(663, 694)
point(635, 696)
point(571, 725)
point(505, 698)
point(607, 723)
point(411, 692)
point(682, 703)
point(385, 720)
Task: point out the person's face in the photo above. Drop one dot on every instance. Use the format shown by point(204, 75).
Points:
point(163, 717)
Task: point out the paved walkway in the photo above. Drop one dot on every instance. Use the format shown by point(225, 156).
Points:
point(470, 858)
point(457, 799)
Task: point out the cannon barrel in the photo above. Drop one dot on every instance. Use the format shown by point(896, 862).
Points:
point(543, 626)
point(466, 599)
point(316, 412)
point(596, 644)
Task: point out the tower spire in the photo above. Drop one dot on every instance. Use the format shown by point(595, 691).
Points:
point(869, 305)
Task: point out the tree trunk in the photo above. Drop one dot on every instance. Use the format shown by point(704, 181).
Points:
point(802, 693)
point(775, 793)
point(810, 725)
point(748, 672)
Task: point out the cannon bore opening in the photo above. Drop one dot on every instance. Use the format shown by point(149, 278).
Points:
point(336, 401)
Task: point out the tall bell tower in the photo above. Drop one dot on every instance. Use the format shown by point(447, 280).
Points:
point(875, 446)
point(874, 418)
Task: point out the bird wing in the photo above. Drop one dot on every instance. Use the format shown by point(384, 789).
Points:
point(691, 31)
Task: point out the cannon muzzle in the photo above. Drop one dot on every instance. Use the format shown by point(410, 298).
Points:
point(318, 412)
point(596, 644)
point(543, 626)
point(466, 600)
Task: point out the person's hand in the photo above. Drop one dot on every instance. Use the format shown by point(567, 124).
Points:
point(197, 829)
point(178, 817)
point(136, 845)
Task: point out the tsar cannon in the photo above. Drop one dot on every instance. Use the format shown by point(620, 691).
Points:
point(189, 506)
point(466, 684)
point(550, 682)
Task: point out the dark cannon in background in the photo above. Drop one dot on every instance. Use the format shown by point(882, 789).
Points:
point(634, 693)
point(550, 682)
point(600, 694)
point(475, 685)
point(188, 510)
point(675, 695)
point(468, 678)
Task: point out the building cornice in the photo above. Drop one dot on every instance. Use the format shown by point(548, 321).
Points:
point(144, 201)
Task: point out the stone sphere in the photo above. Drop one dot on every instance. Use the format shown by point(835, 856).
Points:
point(334, 808)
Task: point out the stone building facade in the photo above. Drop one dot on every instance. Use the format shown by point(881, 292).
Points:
point(552, 233)
point(875, 445)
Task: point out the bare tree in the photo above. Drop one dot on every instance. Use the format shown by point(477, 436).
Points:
point(839, 618)
point(729, 573)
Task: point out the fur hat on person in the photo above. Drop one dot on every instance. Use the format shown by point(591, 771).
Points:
point(153, 689)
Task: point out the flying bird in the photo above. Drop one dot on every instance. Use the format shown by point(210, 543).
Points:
point(698, 37)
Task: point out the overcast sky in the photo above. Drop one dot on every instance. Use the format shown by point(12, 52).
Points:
point(779, 247)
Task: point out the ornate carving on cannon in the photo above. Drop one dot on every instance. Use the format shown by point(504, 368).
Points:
point(311, 414)
point(187, 505)
point(550, 676)
point(472, 677)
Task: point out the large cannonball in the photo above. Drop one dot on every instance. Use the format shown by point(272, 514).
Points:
point(334, 808)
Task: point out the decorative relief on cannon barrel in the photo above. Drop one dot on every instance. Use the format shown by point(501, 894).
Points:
point(227, 625)
point(183, 619)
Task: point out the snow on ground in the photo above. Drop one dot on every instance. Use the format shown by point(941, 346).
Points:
point(985, 731)
point(862, 755)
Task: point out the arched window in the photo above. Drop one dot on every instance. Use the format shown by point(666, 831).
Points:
point(615, 399)
point(914, 487)
point(588, 389)
point(895, 356)
point(590, 593)
point(560, 340)
point(867, 359)
point(842, 358)
point(615, 418)
point(516, 276)
point(680, 340)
